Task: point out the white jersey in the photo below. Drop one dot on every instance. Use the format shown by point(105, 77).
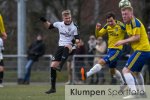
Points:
point(66, 32)
point(1, 48)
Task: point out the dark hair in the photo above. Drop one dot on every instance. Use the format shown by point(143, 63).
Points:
point(110, 14)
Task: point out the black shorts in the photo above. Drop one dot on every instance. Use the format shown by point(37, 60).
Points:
point(59, 52)
point(1, 62)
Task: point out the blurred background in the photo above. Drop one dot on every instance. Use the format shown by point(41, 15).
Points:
point(85, 13)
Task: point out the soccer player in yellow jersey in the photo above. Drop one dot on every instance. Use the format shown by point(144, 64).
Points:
point(139, 42)
point(3, 35)
point(2, 28)
point(116, 31)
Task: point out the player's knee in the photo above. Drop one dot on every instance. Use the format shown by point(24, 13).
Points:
point(101, 61)
point(112, 71)
point(69, 47)
point(125, 70)
point(54, 64)
point(1, 68)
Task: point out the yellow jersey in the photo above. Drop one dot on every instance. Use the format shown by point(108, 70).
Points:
point(135, 28)
point(2, 28)
point(115, 34)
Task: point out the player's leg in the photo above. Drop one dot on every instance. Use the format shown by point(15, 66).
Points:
point(1, 75)
point(115, 54)
point(117, 75)
point(53, 77)
point(67, 50)
point(54, 64)
point(69, 69)
point(114, 72)
point(1, 72)
point(134, 65)
point(96, 68)
point(111, 55)
point(138, 75)
point(140, 81)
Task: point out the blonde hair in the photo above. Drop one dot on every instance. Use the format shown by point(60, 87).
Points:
point(127, 7)
point(66, 13)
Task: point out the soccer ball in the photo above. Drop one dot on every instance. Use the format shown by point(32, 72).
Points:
point(124, 3)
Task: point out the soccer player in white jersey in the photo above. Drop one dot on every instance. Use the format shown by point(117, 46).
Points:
point(67, 32)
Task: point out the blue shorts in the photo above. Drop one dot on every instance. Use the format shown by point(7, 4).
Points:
point(137, 60)
point(112, 56)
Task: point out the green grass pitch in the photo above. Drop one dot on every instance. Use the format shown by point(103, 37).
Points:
point(30, 92)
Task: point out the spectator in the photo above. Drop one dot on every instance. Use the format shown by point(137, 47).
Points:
point(79, 61)
point(91, 51)
point(69, 67)
point(100, 50)
point(35, 50)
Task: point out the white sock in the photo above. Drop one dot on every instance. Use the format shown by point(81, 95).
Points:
point(130, 81)
point(94, 70)
point(119, 76)
point(140, 82)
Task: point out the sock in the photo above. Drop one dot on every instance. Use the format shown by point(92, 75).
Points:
point(140, 82)
point(118, 75)
point(1, 76)
point(53, 78)
point(94, 70)
point(64, 56)
point(130, 81)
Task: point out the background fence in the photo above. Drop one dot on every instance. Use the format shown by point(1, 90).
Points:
point(87, 61)
point(41, 71)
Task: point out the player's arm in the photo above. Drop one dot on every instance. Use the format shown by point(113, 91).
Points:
point(2, 28)
point(100, 31)
point(134, 38)
point(76, 39)
point(46, 23)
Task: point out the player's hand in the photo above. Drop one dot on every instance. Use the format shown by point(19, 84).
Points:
point(98, 26)
point(120, 42)
point(43, 19)
point(4, 36)
point(77, 41)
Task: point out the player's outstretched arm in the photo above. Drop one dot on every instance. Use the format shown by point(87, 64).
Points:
point(97, 29)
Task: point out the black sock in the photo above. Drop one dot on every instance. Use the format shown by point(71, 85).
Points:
point(1, 76)
point(64, 56)
point(53, 78)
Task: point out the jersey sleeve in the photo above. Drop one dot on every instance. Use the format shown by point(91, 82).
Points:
point(76, 31)
point(136, 31)
point(136, 27)
point(101, 32)
point(56, 24)
point(2, 28)
point(1, 44)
